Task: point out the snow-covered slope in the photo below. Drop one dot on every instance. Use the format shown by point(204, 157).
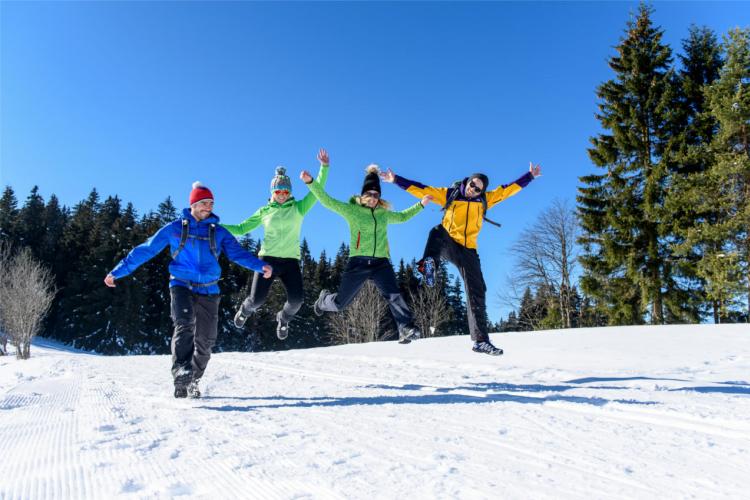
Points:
point(637, 412)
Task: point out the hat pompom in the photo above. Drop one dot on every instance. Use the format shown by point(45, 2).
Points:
point(280, 170)
point(198, 184)
point(372, 168)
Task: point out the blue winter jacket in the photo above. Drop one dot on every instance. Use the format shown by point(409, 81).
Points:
point(195, 264)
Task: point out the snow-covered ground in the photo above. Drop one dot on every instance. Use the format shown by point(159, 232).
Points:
point(635, 412)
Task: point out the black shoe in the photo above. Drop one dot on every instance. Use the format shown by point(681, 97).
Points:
point(180, 391)
point(181, 382)
point(408, 334)
point(193, 391)
point(240, 318)
point(487, 348)
point(316, 307)
point(282, 327)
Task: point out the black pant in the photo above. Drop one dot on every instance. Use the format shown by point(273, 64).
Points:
point(379, 270)
point(288, 271)
point(441, 246)
point(195, 319)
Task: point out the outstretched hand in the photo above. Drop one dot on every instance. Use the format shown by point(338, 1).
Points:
point(388, 175)
point(110, 281)
point(426, 199)
point(306, 177)
point(536, 170)
point(267, 271)
point(323, 156)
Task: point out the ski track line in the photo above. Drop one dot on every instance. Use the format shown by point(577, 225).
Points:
point(37, 448)
point(652, 417)
point(233, 483)
point(428, 389)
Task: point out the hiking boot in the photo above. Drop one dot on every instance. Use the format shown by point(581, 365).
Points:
point(193, 391)
point(487, 348)
point(240, 318)
point(181, 382)
point(426, 267)
point(180, 391)
point(282, 327)
point(408, 334)
point(318, 303)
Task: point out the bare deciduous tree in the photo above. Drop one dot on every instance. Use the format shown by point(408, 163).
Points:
point(430, 309)
point(26, 293)
point(360, 322)
point(4, 259)
point(545, 258)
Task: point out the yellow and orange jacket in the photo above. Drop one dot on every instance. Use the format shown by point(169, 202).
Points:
point(463, 218)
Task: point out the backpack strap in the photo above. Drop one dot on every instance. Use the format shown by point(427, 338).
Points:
point(183, 238)
point(212, 240)
point(184, 235)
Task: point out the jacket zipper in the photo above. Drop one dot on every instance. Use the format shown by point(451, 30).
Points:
point(375, 245)
point(466, 226)
point(359, 234)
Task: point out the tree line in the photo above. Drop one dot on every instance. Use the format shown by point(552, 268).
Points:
point(80, 245)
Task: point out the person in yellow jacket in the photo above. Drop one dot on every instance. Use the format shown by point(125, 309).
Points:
point(455, 238)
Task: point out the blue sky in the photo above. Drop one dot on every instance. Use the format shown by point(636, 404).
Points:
point(140, 99)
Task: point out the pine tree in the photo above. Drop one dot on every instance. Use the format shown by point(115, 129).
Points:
point(622, 211)
point(31, 230)
point(9, 216)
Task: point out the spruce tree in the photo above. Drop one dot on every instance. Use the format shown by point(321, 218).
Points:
point(625, 239)
point(9, 217)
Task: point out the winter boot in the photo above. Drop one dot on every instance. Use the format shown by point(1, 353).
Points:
point(181, 382)
point(180, 392)
point(240, 318)
point(409, 333)
point(193, 391)
point(318, 303)
point(487, 348)
point(426, 266)
point(282, 327)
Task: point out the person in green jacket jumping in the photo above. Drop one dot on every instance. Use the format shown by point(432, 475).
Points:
point(368, 216)
point(282, 222)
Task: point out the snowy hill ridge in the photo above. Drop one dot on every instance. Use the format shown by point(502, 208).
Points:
point(621, 412)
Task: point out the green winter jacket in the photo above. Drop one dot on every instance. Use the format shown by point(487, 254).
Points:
point(367, 226)
point(281, 223)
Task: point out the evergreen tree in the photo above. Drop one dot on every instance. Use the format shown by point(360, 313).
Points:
point(622, 213)
point(9, 216)
point(31, 230)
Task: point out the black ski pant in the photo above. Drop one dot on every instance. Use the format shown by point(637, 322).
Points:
point(288, 271)
point(441, 246)
point(380, 271)
point(195, 317)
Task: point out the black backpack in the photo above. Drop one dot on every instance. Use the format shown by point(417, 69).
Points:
point(453, 193)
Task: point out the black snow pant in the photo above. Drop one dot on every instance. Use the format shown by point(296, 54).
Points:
point(195, 317)
point(380, 271)
point(441, 246)
point(288, 271)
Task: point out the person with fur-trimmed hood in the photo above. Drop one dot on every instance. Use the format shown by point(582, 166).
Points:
point(368, 216)
point(282, 220)
point(455, 238)
point(196, 240)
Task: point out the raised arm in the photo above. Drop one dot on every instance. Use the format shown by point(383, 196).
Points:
point(139, 255)
point(306, 203)
point(247, 225)
point(504, 191)
point(330, 203)
point(415, 188)
point(405, 215)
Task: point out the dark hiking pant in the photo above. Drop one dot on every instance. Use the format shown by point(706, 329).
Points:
point(441, 246)
point(379, 270)
point(195, 317)
point(288, 271)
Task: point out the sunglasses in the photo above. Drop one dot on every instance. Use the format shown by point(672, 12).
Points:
point(281, 191)
point(372, 194)
point(475, 187)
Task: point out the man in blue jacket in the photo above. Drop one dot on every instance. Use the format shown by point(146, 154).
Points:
point(195, 241)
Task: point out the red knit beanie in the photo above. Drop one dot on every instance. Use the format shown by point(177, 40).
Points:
point(200, 193)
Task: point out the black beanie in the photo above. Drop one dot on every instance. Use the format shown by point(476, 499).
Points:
point(372, 180)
